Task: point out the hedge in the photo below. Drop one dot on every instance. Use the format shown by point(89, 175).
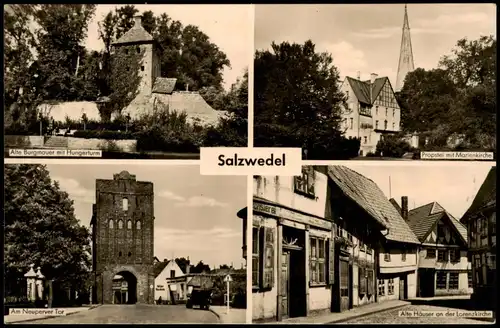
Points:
point(103, 134)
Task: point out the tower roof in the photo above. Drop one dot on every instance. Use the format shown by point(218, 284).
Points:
point(137, 34)
point(406, 64)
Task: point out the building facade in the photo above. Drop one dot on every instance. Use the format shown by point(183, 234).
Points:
point(480, 220)
point(443, 265)
point(122, 240)
point(372, 111)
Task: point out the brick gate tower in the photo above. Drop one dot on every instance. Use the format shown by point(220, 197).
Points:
point(122, 241)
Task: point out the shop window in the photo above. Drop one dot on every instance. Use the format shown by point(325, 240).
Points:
point(317, 261)
point(453, 283)
point(455, 255)
point(390, 286)
point(304, 184)
point(381, 287)
point(255, 257)
point(442, 255)
point(440, 280)
point(431, 253)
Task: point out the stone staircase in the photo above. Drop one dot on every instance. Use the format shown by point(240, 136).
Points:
point(56, 142)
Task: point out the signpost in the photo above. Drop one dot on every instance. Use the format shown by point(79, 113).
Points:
point(228, 279)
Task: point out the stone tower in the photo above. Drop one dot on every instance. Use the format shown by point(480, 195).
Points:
point(405, 55)
point(139, 40)
point(122, 240)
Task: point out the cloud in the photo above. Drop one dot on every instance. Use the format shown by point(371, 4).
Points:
point(170, 195)
point(75, 190)
point(201, 201)
point(446, 21)
point(346, 57)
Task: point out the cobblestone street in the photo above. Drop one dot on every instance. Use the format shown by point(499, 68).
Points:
point(135, 314)
point(392, 317)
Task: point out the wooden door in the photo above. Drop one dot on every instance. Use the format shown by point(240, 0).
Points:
point(402, 289)
point(285, 284)
point(344, 285)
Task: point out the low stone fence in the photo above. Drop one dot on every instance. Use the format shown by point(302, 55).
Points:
point(73, 143)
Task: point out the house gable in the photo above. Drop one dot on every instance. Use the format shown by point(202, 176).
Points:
point(384, 94)
point(445, 232)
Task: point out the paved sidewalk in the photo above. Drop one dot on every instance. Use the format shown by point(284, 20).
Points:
point(356, 312)
point(30, 317)
point(234, 315)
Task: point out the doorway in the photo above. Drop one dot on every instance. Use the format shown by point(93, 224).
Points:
point(403, 288)
point(426, 281)
point(345, 278)
point(124, 288)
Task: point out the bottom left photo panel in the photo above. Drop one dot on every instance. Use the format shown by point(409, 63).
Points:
point(123, 243)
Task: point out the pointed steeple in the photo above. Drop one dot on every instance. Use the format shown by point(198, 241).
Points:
point(405, 55)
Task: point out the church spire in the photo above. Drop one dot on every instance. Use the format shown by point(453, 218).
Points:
point(405, 55)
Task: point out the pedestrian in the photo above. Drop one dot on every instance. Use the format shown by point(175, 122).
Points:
point(159, 301)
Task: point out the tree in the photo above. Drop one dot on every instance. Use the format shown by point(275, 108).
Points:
point(201, 268)
point(298, 102)
point(41, 228)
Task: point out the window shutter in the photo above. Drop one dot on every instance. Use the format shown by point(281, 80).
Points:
point(310, 180)
point(268, 274)
point(331, 259)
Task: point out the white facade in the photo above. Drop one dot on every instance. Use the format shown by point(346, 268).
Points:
point(162, 287)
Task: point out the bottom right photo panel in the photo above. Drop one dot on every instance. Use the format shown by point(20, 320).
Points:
point(407, 244)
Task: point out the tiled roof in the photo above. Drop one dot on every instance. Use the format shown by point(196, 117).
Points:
point(135, 35)
point(422, 219)
point(164, 85)
point(368, 196)
point(159, 266)
point(362, 89)
point(486, 196)
point(395, 204)
point(201, 281)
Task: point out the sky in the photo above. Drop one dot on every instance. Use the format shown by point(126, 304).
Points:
point(452, 186)
point(367, 37)
point(227, 26)
point(195, 215)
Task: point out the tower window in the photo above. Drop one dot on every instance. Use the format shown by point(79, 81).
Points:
point(119, 254)
point(142, 68)
point(129, 224)
point(125, 51)
point(138, 50)
point(125, 204)
point(111, 224)
point(120, 224)
point(129, 254)
point(138, 225)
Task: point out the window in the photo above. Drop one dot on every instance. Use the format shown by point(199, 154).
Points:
point(431, 253)
point(390, 287)
point(364, 110)
point(403, 255)
point(305, 183)
point(370, 281)
point(381, 287)
point(119, 254)
point(129, 254)
point(172, 273)
point(125, 204)
point(386, 112)
point(255, 257)
point(455, 255)
point(387, 257)
point(138, 225)
point(376, 124)
point(362, 281)
point(351, 123)
point(347, 94)
point(138, 49)
point(129, 224)
point(142, 68)
point(453, 283)
point(385, 125)
point(393, 112)
point(317, 261)
point(442, 255)
point(469, 278)
point(376, 110)
point(441, 280)
point(120, 224)
point(111, 224)
point(366, 139)
point(393, 126)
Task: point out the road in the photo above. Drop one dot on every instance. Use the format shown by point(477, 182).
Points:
point(391, 316)
point(135, 314)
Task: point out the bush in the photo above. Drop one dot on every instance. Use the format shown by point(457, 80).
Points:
point(103, 134)
point(393, 146)
point(228, 133)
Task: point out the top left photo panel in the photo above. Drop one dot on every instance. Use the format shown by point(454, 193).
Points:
point(125, 81)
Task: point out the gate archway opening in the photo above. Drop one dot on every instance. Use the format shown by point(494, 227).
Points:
point(124, 288)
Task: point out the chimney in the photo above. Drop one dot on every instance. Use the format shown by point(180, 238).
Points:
point(359, 75)
point(137, 21)
point(373, 77)
point(404, 207)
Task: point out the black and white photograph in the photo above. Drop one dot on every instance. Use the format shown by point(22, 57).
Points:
point(375, 244)
point(375, 81)
point(123, 244)
point(125, 81)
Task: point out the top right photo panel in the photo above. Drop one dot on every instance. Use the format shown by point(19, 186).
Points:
point(376, 81)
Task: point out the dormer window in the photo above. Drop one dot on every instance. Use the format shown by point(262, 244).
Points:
point(304, 184)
